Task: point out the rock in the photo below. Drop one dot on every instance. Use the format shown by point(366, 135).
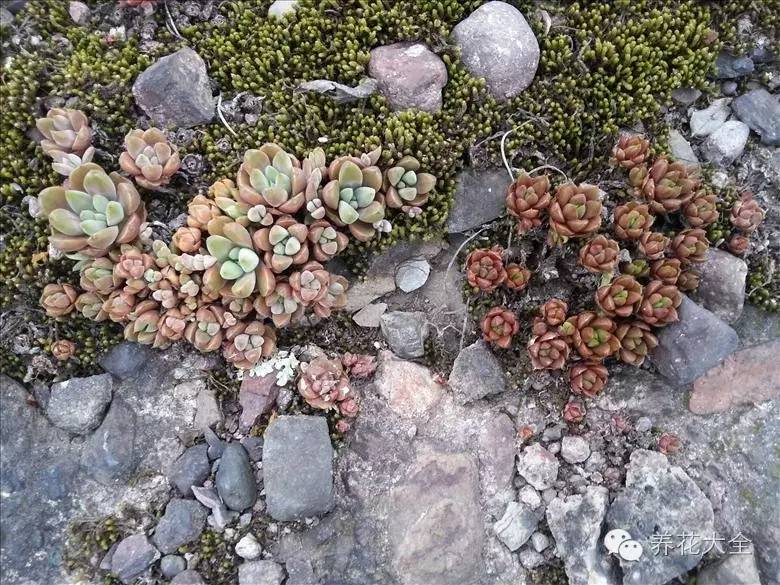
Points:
point(257, 396)
point(434, 521)
point(528, 495)
point(729, 88)
point(340, 93)
point(191, 469)
point(410, 76)
point(733, 569)
point(696, 343)
point(175, 91)
point(659, 499)
point(370, 316)
point(480, 197)
point(109, 453)
point(408, 388)
point(530, 559)
point(362, 293)
point(172, 565)
point(681, 149)
point(260, 573)
point(496, 43)
point(134, 555)
point(78, 11)
point(574, 449)
point(298, 467)
point(516, 525)
point(755, 371)
point(412, 274)
point(730, 66)
point(216, 445)
point(685, 96)
point(182, 523)
point(476, 373)
point(189, 577)
point(248, 548)
point(760, 110)
point(126, 359)
point(405, 333)
point(6, 18)
point(279, 8)
point(722, 286)
point(726, 144)
point(235, 479)
point(538, 466)
point(208, 413)
point(496, 449)
point(254, 447)
point(705, 122)
point(576, 523)
point(539, 541)
point(300, 572)
point(78, 405)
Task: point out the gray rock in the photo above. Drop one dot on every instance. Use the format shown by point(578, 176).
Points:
point(694, 344)
point(370, 316)
point(300, 572)
point(110, 454)
point(208, 413)
point(760, 110)
point(733, 569)
point(480, 197)
point(78, 405)
point(659, 499)
point(731, 66)
point(530, 559)
point(729, 88)
point(539, 541)
point(126, 359)
point(516, 525)
point(254, 447)
point(681, 149)
point(476, 373)
point(405, 333)
point(685, 96)
point(235, 479)
point(298, 467)
point(412, 274)
point(574, 449)
point(260, 573)
point(134, 555)
point(172, 565)
point(576, 524)
point(496, 450)
point(182, 523)
point(362, 293)
point(189, 577)
point(705, 122)
point(175, 91)
point(191, 469)
point(722, 286)
point(6, 18)
point(207, 496)
point(496, 43)
point(528, 495)
point(538, 466)
point(248, 547)
point(410, 76)
point(279, 8)
point(727, 143)
point(78, 11)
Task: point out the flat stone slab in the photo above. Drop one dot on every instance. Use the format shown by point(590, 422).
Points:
point(480, 197)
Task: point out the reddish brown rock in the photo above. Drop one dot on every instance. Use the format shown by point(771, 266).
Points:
point(256, 396)
point(409, 388)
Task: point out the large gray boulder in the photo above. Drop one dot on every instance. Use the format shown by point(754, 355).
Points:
point(722, 286)
point(78, 405)
point(497, 43)
point(410, 76)
point(480, 197)
point(760, 110)
point(476, 373)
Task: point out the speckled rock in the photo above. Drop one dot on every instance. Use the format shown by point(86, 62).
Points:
point(476, 373)
point(78, 405)
point(727, 143)
point(410, 76)
point(732, 569)
point(705, 122)
point(182, 523)
point(722, 286)
point(480, 197)
point(260, 573)
point(188, 578)
point(538, 466)
point(760, 110)
point(134, 555)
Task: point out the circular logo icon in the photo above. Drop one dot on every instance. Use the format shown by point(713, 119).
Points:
point(614, 539)
point(630, 550)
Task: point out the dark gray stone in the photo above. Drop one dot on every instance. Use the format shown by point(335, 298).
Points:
point(760, 110)
point(254, 447)
point(175, 91)
point(298, 467)
point(732, 66)
point(188, 578)
point(191, 469)
point(260, 573)
point(727, 143)
point(182, 523)
point(722, 287)
point(235, 479)
point(78, 405)
point(480, 197)
point(125, 360)
point(476, 373)
point(516, 525)
point(405, 333)
point(733, 569)
point(109, 453)
point(134, 555)
point(172, 565)
point(694, 344)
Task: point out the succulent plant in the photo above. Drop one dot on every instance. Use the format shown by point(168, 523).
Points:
point(326, 241)
point(499, 326)
point(636, 341)
point(575, 211)
point(653, 245)
point(593, 336)
point(632, 220)
point(638, 268)
point(517, 277)
point(527, 198)
point(668, 443)
point(280, 305)
point(600, 255)
point(335, 297)
point(310, 284)
point(738, 244)
point(669, 185)
point(348, 408)
point(405, 185)
point(552, 314)
point(323, 383)
point(237, 261)
point(205, 330)
point(239, 308)
point(691, 245)
point(187, 239)
point(171, 326)
point(659, 304)
point(587, 378)
point(247, 343)
point(621, 297)
point(119, 305)
point(548, 351)
point(702, 210)
point(667, 270)
point(746, 214)
point(66, 163)
point(131, 268)
point(485, 269)
point(58, 300)
point(574, 411)
point(97, 212)
point(149, 158)
point(689, 279)
point(284, 243)
point(144, 323)
point(65, 132)
point(271, 177)
point(63, 349)
point(90, 305)
point(97, 275)
point(359, 365)
point(201, 211)
point(631, 151)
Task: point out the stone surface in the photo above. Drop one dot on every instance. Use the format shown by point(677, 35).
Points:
point(496, 450)
point(733, 569)
point(257, 396)
point(182, 523)
point(110, 452)
point(191, 469)
point(235, 479)
point(78, 11)
point(298, 467)
point(134, 555)
point(279, 8)
point(480, 197)
point(576, 525)
point(681, 149)
point(722, 286)
point(659, 498)
point(685, 96)
point(405, 333)
point(496, 43)
point(260, 573)
point(516, 525)
point(248, 547)
point(539, 541)
point(412, 274)
point(694, 344)
point(727, 143)
point(732, 66)
point(746, 377)
point(476, 373)
point(760, 110)
point(208, 413)
point(78, 405)
point(188, 578)
point(574, 449)
point(407, 387)
point(705, 122)
point(172, 565)
point(125, 359)
point(364, 292)
point(538, 466)
point(175, 91)
point(410, 76)
point(370, 316)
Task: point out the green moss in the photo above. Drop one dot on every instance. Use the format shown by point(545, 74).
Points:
point(763, 282)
